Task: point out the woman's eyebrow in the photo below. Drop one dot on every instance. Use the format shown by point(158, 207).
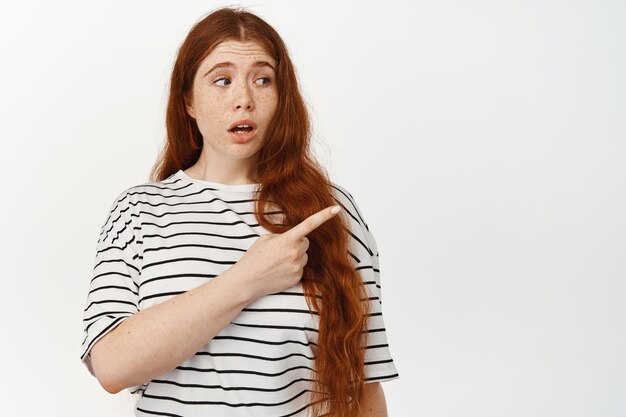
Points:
point(256, 64)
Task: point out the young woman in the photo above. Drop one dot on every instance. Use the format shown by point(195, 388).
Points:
point(229, 285)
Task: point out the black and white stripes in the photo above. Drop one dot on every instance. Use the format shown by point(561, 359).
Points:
point(162, 239)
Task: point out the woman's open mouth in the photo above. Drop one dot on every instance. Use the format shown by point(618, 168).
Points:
point(242, 130)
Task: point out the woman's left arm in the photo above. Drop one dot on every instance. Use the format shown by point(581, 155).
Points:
point(373, 404)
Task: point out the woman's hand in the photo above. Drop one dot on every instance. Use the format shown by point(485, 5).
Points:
point(276, 261)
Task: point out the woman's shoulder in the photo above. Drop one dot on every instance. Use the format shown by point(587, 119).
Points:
point(348, 203)
point(362, 237)
point(162, 188)
point(148, 191)
point(342, 195)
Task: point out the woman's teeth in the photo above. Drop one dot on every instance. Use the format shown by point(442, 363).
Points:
point(242, 129)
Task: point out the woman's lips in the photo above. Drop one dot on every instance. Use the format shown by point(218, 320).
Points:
point(243, 134)
point(242, 137)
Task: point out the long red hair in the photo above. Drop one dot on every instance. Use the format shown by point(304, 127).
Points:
point(291, 178)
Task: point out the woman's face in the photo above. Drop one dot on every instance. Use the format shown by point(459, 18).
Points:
point(234, 85)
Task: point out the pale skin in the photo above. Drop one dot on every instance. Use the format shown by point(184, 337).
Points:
point(154, 341)
point(236, 81)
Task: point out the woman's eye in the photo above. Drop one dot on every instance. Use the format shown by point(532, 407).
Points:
point(264, 80)
point(222, 82)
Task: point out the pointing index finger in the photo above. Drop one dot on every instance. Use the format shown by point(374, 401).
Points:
point(312, 222)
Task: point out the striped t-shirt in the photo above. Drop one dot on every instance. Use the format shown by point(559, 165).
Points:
point(163, 238)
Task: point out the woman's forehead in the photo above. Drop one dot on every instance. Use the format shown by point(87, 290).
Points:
point(231, 50)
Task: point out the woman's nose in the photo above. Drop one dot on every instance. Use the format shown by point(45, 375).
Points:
point(243, 97)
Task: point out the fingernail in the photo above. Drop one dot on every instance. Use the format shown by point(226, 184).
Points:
point(335, 210)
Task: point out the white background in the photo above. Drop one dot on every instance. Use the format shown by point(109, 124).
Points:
point(485, 142)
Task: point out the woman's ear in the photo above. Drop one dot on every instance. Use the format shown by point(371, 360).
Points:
point(189, 107)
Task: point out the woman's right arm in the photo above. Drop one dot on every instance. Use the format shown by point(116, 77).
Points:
point(154, 341)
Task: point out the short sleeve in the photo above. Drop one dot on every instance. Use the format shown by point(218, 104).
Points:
point(379, 364)
point(113, 289)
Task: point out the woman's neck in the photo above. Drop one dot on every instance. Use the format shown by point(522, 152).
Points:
point(223, 173)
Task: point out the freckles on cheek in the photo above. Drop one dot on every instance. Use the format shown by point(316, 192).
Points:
point(269, 99)
point(211, 113)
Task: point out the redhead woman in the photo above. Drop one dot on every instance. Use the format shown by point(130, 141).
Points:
point(239, 281)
